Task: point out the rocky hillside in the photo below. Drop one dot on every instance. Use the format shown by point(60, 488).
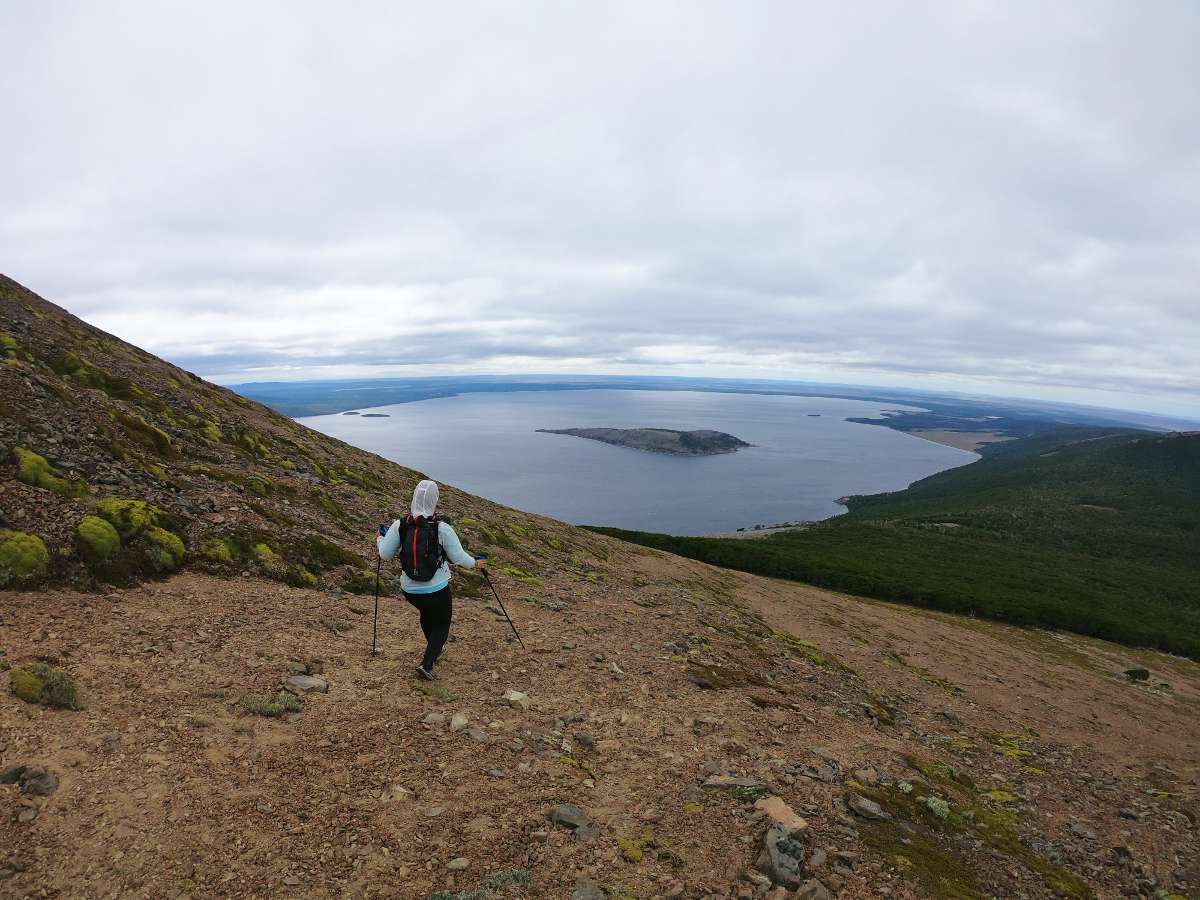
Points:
point(115, 465)
point(190, 708)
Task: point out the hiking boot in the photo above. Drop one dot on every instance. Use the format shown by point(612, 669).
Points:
point(425, 673)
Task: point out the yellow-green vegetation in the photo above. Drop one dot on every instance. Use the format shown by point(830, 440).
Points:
point(325, 502)
point(40, 683)
point(146, 543)
point(130, 517)
point(270, 705)
point(166, 550)
point(71, 366)
point(23, 558)
point(216, 550)
point(277, 568)
point(996, 795)
point(11, 352)
point(142, 432)
point(520, 575)
point(634, 849)
point(270, 561)
point(35, 470)
point(98, 540)
point(1009, 744)
point(693, 808)
point(363, 582)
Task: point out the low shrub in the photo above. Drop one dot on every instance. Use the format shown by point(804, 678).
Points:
point(271, 705)
point(40, 683)
point(23, 558)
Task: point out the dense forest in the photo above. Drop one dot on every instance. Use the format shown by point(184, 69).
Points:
point(1091, 530)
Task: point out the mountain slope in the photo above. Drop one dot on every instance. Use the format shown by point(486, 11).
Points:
point(1008, 762)
point(1086, 529)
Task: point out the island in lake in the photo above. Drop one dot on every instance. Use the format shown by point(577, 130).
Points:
point(659, 440)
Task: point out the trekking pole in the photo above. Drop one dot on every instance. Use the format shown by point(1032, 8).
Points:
point(375, 627)
point(488, 579)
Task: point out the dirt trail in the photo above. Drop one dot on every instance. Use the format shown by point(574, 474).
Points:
point(644, 680)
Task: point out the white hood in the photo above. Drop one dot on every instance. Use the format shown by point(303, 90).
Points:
point(425, 498)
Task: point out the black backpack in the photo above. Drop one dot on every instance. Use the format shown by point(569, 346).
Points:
point(420, 548)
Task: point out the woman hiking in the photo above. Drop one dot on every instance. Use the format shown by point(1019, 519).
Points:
point(426, 547)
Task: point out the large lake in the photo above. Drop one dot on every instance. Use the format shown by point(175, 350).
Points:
point(805, 455)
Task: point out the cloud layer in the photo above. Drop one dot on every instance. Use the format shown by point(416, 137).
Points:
point(982, 196)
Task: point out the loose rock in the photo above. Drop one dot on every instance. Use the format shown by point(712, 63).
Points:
point(571, 817)
point(780, 813)
point(782, 856)
point(516, 700)
point(586, 889)
point(307, 684)
point(868, 809)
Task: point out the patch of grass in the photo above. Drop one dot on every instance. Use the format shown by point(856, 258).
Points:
point(40, 683)
point(270, 705)
point(435, 690)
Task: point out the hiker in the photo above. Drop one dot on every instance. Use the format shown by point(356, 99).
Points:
point(426, 546)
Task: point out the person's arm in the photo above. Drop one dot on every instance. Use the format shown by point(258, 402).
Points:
point(389, 543)
point(454, 549)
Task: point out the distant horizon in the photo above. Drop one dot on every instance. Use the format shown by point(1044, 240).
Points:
point(1165, 419)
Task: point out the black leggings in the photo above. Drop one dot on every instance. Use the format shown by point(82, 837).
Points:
point(436, 610)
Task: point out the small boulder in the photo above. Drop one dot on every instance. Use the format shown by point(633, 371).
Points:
point(517, 700)
point(733, 782)
point(812, 890)
point(868, 809)
point(458, 864)
point(586, 889)
point(479, 735)
point(435, 719)
point(34, 781)
point(307, 684)
point(782, 856)
point(571, 817)
point(780, 813)
point(1137, 674)
point(459, 721)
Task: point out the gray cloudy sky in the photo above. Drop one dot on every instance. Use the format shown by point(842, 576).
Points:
point(995, 197)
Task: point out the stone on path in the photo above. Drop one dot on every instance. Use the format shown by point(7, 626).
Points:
point(458, 864)
point(571, 817)
point(517, 700)
point(459, 721)
point(782, 856)
point(732, 782)
point(34, 781)
point(812, 890)
point(307, 684)
point(780, 813)
point(586, 889)
point(436, 719)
